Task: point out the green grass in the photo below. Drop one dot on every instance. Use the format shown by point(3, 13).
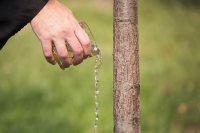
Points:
point(169, 52)
point(36, 97)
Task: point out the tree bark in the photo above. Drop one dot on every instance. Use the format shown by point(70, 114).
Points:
point(126, 68)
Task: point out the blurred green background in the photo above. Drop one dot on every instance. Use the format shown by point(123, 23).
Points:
point(36, 97)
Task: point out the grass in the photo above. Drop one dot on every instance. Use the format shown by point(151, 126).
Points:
point(38, 97)
point(169, 66)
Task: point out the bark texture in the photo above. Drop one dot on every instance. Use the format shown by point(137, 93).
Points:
point(126, 68)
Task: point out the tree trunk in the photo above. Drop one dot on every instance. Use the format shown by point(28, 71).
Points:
point(126, 68)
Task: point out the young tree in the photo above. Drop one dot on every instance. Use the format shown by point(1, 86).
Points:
point(126, 68)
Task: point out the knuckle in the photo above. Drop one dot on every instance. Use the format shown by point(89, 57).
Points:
point(87, 49)
point(63, 56)
point(50, 35)
point(67, 31)
point(79, 52)
point(47, 54)
point(44, 39)
point(86, 43)
point(54, 35)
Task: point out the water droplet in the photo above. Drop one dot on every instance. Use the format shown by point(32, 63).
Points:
point(96, 113)
point(95, 126)
point(97, 92)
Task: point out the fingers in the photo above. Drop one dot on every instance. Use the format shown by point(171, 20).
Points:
point(60, 27)
point(47, 51)
point(77, 42)
point(77, 49)
point(62, 52)
point(84, 40)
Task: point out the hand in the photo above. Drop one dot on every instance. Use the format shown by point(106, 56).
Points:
point(55, 24)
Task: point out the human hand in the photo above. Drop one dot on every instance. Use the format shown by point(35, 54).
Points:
point(56, 25)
